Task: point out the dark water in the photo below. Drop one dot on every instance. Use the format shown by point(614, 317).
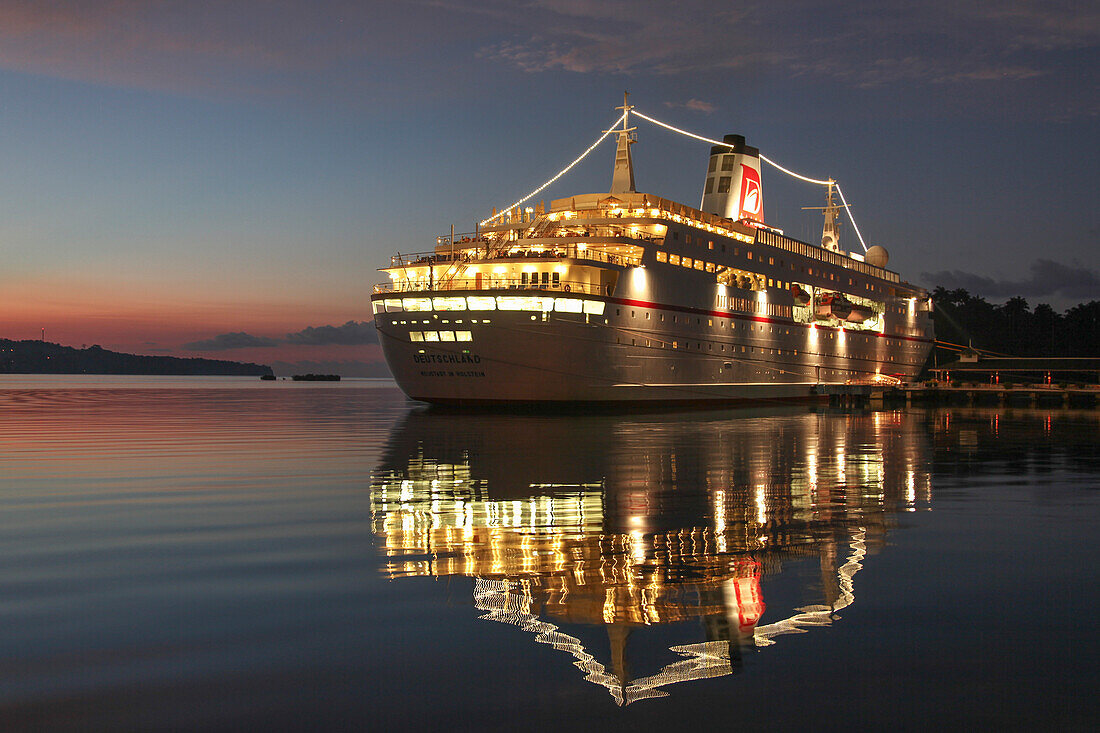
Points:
point(228, 554)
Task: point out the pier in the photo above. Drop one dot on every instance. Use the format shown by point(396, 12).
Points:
point(1024, 395)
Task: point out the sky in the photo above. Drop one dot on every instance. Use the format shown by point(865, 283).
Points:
point(223, 179)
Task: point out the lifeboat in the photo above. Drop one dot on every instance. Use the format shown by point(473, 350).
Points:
point(860, 313)
point(833, 305)
point(801, 297)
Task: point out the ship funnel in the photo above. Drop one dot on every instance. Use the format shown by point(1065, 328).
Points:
point(733, 189)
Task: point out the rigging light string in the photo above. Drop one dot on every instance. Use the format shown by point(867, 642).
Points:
point(770, 162)
point(561, 173)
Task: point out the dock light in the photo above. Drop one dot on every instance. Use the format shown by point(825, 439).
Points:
point(638, 278)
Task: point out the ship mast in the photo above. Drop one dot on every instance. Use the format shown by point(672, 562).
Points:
point(830, 233)
point(622, 180)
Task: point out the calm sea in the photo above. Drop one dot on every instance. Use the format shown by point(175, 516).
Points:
point(225, 553)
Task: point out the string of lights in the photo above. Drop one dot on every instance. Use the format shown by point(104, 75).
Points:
point(770, 162)
point(849, 210)
point(561, 173)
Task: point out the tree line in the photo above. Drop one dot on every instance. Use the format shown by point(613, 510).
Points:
point(1014, 329)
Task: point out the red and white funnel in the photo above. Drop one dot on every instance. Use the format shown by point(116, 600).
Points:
point(733, 189)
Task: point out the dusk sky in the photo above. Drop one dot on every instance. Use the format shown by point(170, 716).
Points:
point(187, 177)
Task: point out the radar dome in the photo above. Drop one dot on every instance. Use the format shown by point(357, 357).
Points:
point(877, 256)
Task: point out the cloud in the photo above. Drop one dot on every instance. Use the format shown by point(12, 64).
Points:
point(226, 341)
point(1048, 278)
point(863, 43)
point(352, 333)
point(696, 105)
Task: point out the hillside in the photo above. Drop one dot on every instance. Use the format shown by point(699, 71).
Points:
point(40, 357)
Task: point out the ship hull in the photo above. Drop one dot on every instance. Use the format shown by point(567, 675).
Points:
point(626, 354)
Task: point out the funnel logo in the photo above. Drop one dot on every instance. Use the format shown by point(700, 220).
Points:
point(752, 203)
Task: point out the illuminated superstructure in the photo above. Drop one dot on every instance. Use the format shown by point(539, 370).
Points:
point(626, 296)
point(559, 534)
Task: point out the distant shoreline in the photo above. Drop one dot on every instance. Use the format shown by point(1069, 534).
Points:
point(42, 357)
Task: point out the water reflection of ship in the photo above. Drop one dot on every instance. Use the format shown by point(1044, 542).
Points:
point(635, 522)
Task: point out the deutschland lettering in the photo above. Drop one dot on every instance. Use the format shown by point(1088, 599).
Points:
point(446, 358)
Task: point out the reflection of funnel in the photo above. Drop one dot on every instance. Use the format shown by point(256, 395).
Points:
point(744, 596)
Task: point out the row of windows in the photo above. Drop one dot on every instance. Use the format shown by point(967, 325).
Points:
point(441, 336)
point(807, 250)
point(488, 303)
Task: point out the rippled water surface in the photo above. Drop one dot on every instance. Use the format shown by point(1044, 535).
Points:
point(228, 554)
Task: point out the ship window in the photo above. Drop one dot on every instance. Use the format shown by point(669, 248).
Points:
point(710, 244)
point(464, 336)
point(727, 163)
point(748, 253)
point(546, 278)
point(647, 342)
point(631, 314)
point(594, 307)
point(446, 335)
point(674, 259)
point(568, 305)
point(449, 304)
point(416, 335)
point(687, 239)
point(663, 317)
point(647, 315)
point(724, 184)
point(710, 321)
point(618, 312)
point(632, 342)
point(393, 306)
point(713, 164)
point(710, 267)
point(686, 262)
point(662, 257)
point(417, 304)
point(517, 303)
point(379, 307)
point(481, 303)
point(698, 264)
point(431, 335)
point(557, 279)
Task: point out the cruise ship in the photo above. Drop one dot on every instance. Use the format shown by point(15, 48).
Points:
point(629, 297)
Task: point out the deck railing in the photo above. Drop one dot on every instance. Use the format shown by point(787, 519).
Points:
point(550, 252)
point(573, 287)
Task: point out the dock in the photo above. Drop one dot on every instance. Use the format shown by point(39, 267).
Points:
point(1021, 395)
